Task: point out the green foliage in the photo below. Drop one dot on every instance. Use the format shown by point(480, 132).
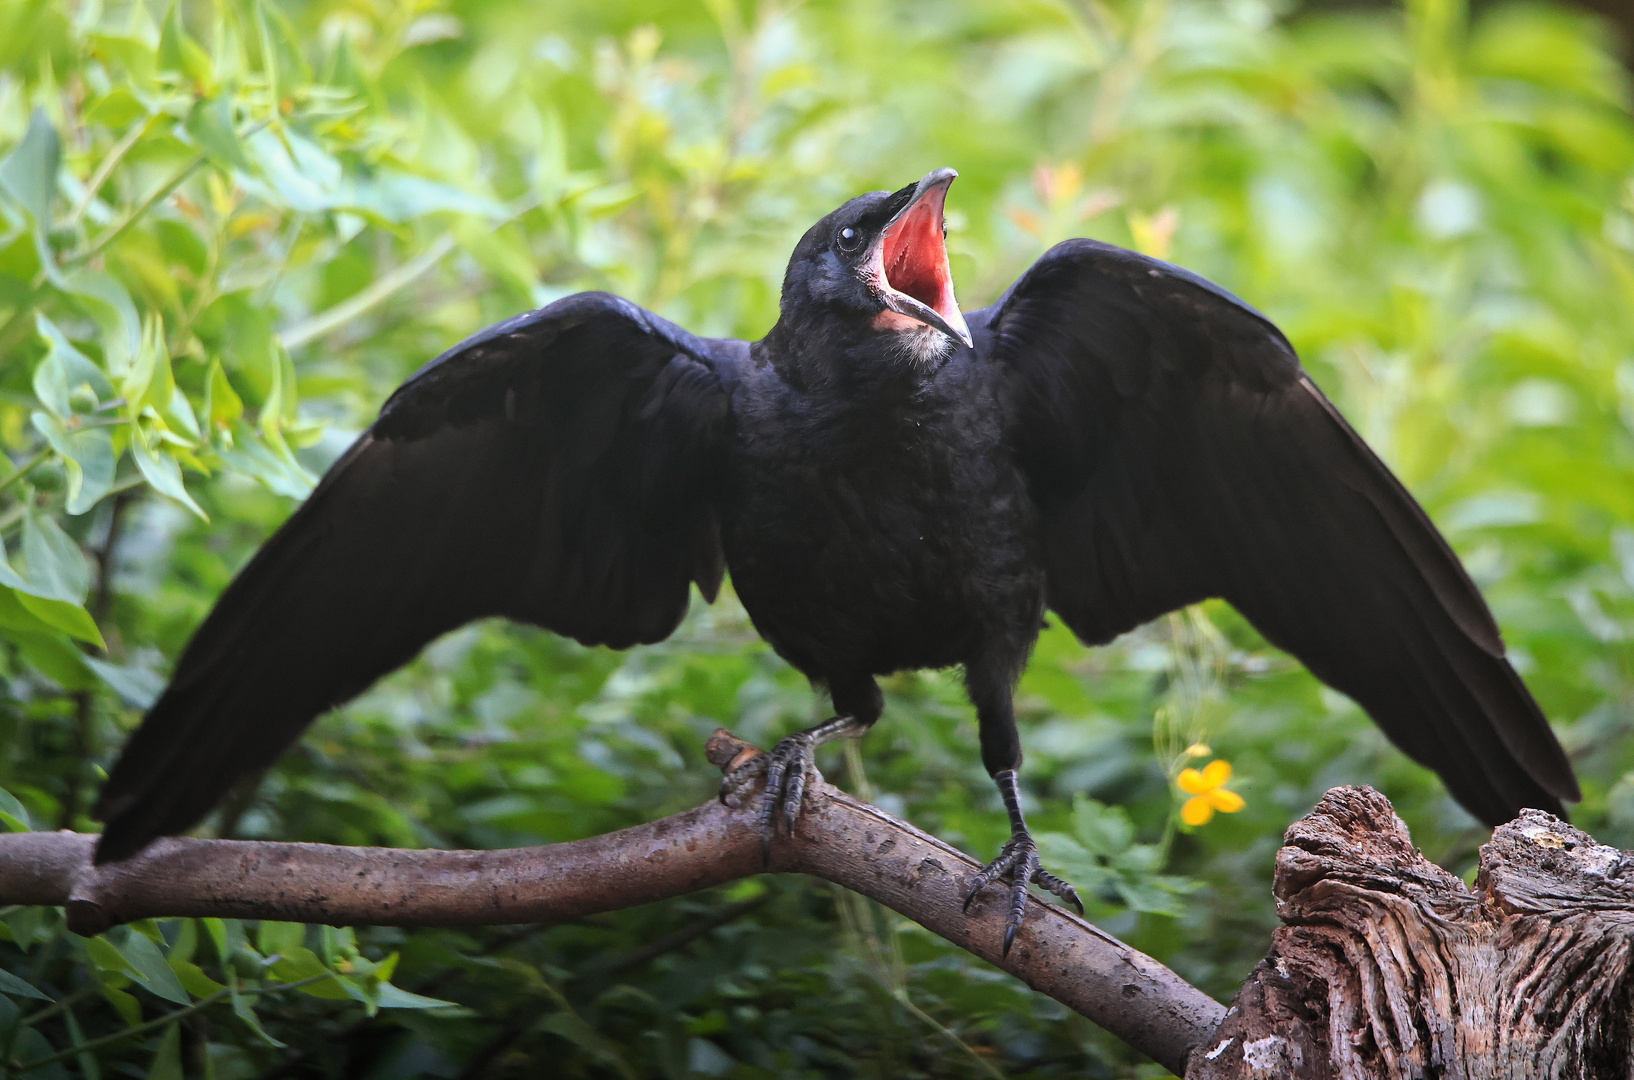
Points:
point(228, 229)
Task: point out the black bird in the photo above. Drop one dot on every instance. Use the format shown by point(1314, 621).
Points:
point(893, 485)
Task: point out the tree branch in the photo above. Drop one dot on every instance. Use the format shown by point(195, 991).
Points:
point(838, 839)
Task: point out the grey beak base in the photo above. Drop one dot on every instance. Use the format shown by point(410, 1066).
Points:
point(913, 309)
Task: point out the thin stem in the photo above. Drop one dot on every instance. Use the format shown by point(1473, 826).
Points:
point(382, 287)
point(18, 325)
point(147, 204)
point(296, 224)
point(367, 297)
point(1171, 826)
point(855, 772)
point(106, 167)
point(114, 233)
point(161, 1021)
point(23, 469)
point(57, 1006)
point(203, 296)
point(936, 1025)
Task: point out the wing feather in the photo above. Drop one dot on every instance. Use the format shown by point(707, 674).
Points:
point(555, 469)
point(1177, 451)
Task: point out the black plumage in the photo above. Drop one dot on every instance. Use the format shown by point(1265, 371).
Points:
point(893, 485)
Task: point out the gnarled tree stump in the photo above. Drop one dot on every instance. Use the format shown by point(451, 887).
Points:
point(1390, 967)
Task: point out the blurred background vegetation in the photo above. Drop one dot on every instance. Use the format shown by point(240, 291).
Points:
point(228, 229)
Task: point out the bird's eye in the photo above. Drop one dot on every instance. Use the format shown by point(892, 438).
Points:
point(848, 239)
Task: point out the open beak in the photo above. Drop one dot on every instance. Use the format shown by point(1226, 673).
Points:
point(909, 265)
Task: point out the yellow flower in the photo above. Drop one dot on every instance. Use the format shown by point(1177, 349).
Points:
point(1208, 793)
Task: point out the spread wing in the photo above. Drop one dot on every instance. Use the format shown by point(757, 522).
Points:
point(553, 469)
point(1177, 451)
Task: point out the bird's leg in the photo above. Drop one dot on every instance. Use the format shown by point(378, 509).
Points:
point(1018, 862)
point(789, 765)
point(1001, 753)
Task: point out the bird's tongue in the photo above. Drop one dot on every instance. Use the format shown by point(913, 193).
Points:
point(915, 256)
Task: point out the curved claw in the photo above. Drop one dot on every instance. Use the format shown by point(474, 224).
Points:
point(1018, 861)
point(786, 769)
point(736, 783)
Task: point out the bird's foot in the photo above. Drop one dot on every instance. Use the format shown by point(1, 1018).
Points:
point(1018, 863)
point(787, 769)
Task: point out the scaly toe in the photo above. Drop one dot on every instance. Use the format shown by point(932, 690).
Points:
point(994, 870)
point(1017, 863)
point(788, 767)
point(1049, 882)
point(1026, 865)
point(737, 783)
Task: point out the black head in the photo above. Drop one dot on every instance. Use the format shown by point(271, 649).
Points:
point(879, 265)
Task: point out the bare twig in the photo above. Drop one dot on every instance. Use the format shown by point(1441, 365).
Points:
point(364, 299)
point(838, 839)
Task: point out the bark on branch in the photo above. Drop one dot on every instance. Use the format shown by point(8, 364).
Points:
point(838, 839)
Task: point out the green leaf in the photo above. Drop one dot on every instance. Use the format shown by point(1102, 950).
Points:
point(104, 955)
point(167, 1060)
point(29, 173)
point(137, 686)
point(274, 938)
point(15, 987)
point(30, 927)
point(57, 659)
point(76, 1035)
point(29, 1045)
point(224, 404)
point(107, 302)
point(1158, 896)
point(217, 929)
point(179, 53)
point(161, 472)
point(280, 45)
point(1139, 859)
point(246, 1012)
point(118, 108)
point(211, 125)
point(337, 945)
point(392, 997)
point(13, 813)
point(193, 978)
point(147, 965)
point(251, 455)
point(88, 454)
point(66, 373)
point(299, 172)
point(179, 411)
point(134, 386)
point(57, 569)
point(71, 619)
point(1068, 857)
point(186, 943)
point(126, 1005)
point(572, 1027)
point(299, 962)
point(1103, 830)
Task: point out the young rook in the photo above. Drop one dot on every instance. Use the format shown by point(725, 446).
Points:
point(894, 485)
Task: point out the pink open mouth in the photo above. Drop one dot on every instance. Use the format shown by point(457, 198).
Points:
point(915, 255)
point(910, 263)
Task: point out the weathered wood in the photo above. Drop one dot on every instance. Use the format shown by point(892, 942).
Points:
point(1389, 967)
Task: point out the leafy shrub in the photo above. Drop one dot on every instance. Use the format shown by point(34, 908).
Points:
point(226, 231)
